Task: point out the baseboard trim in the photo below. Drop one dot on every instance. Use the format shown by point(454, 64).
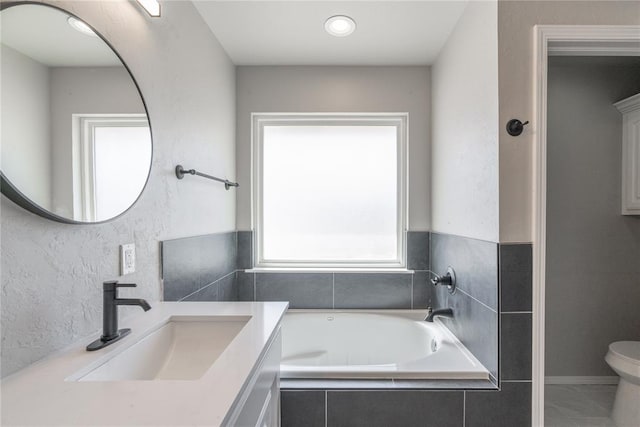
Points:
point(581, 380)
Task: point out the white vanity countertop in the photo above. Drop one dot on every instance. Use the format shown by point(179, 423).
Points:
point(41, 395)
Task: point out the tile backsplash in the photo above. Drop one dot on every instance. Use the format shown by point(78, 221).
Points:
point(511, 406)
point(492, 318)
point(302, 290)
point(374, 290)
point(340, 290)
point(212, 268)
point(200, 268)
point(475, 301)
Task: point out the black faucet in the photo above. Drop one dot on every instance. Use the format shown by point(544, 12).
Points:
point(110, 332)
point(441, 312)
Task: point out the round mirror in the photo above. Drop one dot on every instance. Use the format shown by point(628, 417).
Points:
point(75, 137)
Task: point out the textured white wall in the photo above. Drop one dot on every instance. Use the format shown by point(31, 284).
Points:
point(294, 89)
point(516, 20)
point(52, 273)
point(88, 90)
point(25, 124)
point(464, 183)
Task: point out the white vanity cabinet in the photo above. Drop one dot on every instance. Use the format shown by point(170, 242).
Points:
point(630, 109)
point(259, 404)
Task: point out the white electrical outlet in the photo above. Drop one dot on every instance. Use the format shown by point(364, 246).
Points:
point(127, 259)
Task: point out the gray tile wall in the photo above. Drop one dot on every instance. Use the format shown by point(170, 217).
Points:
point(475, 302)
point(515, 277)
point(515, 312)
point(302, 290)
point(493, 312)
point(395, 408)
point(376, 290)
point(338, 290)
point(509, 407)
point(303, 408)
point(212, 268)
point(200, 268)
point(245, 250)
point(341, 290)
point(478, 309)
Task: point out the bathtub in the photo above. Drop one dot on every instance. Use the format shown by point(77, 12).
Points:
point(357, 344)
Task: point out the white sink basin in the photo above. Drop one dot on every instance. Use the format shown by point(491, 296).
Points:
point(182, 349)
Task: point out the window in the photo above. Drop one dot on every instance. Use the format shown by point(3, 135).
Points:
point(107, 154)
point(329, 190)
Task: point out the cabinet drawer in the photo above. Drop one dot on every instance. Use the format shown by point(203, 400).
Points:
point(260, 402)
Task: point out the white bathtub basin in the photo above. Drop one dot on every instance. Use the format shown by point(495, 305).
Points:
point(373, 344)
point(183, 348)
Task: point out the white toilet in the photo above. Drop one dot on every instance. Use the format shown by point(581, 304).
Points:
point(624, 358)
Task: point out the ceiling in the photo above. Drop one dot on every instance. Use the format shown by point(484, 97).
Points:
point(43, 34)
point(292, 32)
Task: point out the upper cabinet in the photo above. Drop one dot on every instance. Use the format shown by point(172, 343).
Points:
point(630, 109)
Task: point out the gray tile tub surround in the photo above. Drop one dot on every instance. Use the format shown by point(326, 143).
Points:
point(372, 291)
point(418, 260)
point(511, 406)
point(338, 290)
point(474, 261)
point(395, 408)
point(516, 277)
point(194, 264)
point(476, 326)
point(302, 290)
point(418, 250)
point(475, 302)
point(508, 407)
point(515, 313)
point(245, 250)
point(303, 408)
point(348, 290)
point(424, 293)
point(516, 351)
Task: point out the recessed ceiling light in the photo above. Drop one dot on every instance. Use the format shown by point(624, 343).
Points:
point(340, 26)
point(78, 25)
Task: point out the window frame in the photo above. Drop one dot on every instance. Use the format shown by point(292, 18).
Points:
point(260, 120)
point(83, 156)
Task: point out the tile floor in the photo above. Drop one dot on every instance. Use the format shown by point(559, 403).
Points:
point(579, 405)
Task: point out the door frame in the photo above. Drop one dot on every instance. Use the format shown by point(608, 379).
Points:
point(568, 40)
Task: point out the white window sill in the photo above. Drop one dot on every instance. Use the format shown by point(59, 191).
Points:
point(327, 270)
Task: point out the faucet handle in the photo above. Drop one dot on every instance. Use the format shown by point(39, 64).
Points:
point(112, 285)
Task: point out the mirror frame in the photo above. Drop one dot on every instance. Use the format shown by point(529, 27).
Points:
point(14, 194)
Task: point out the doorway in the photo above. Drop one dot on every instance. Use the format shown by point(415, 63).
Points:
point(573, 41)
point(593, 251)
